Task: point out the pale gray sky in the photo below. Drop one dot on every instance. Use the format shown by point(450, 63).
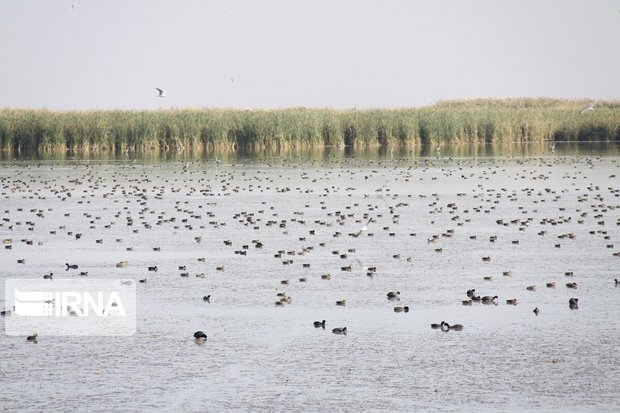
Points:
point(111, 54)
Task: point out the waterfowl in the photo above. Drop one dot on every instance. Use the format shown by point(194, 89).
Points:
point(33, 338)
point(616, 281)
point(571, 285)
point(153, 268)
point(470, 293)
point(487, 299)
point(320, 324)
point(284, 300)
point(200, 337)
point(455, 327)
point(143, 280)
point(404, 309)
point(536, 311)
point(436, 326)
point(341, 302)
point(71, 266)
point(573, 303)
point(531, 288)
point(392, 295)
point(340, 330)
point(512, 301)
point(48, 276)
point(466, 302)
point(5, 312)
point(551, 285)
point(207, 298)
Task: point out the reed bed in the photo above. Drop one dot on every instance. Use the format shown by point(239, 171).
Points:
point(447, 122)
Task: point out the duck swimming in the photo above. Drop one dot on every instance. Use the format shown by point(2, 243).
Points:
point(573, 303)
point(393, 295)
point(340, 330)
point(455, 327)
point(319, 324)
point(200, 337)
point(487, 299)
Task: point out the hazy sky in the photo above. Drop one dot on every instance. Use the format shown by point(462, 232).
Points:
point(111, 54)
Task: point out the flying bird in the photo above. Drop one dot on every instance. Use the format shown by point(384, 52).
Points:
point(362, 229)
point(74, 5)
point(365, 227)
point(589, 108)
point(382, 188)
point(161, 93)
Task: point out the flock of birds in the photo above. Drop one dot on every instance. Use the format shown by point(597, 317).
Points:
point(382, 217)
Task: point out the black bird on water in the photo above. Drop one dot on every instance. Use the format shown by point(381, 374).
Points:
point(200, 337)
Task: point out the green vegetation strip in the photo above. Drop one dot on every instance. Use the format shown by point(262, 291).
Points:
point(473, 121)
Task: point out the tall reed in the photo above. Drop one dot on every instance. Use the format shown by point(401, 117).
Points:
point(484, 120)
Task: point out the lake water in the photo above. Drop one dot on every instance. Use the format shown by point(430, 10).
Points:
point(432, 218)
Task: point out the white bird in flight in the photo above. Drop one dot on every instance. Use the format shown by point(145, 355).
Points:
point(74, 5)
point(365, 227)
point(161, 93)
point(382, 188)
point(362, 229)
point(589, 108)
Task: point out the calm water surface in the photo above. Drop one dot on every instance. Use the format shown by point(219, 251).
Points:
point(261, 357)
